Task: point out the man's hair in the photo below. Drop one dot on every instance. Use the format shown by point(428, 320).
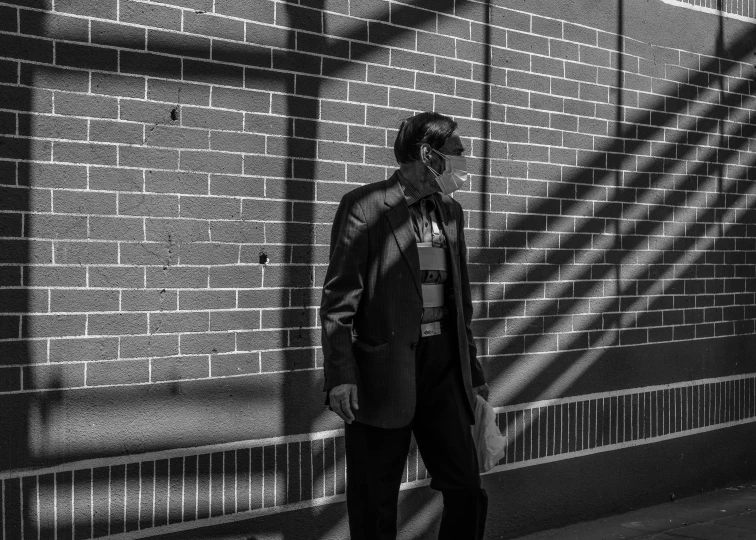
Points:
point(428, 127)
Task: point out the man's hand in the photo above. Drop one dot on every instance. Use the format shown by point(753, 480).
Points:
point(342, 399)
point(481, 391)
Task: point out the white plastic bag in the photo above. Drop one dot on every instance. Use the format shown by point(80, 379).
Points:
point(489, 442)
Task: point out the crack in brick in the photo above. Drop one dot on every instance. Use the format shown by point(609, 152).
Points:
point(161, 295)
point(174, 116)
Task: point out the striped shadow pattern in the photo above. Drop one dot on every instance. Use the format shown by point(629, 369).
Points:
point(744, 10)
point(137, 496)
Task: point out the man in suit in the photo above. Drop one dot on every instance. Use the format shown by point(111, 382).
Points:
point(398, 350)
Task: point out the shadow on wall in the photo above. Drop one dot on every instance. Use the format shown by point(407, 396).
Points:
point(514, 379)
point(698, 223)
point(16, 254)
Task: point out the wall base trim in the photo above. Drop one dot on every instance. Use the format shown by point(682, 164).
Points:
point(142, 495)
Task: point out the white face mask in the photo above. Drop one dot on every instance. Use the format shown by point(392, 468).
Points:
point(454, 176)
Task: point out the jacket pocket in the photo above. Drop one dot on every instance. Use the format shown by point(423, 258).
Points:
point(369, 346)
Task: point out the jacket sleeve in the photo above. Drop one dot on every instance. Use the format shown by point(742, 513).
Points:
point(342, 290)
point(476, 371)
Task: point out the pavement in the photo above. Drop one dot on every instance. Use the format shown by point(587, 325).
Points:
point(725, 514)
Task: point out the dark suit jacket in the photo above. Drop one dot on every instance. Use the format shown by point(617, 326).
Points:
point(372, 302)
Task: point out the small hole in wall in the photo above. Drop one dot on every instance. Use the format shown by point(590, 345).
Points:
point(264, 258)
point(174, 114)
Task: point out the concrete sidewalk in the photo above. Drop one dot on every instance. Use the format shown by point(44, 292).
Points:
point(725, 514)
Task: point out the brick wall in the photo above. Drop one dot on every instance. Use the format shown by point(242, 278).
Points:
point(170, 171)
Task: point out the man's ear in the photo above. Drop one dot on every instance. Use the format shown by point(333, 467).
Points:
point(425, 153)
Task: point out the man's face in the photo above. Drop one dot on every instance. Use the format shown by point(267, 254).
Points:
point(452, 147)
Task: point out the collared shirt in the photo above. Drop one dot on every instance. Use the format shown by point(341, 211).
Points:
point(426, 225)
point(411, 193)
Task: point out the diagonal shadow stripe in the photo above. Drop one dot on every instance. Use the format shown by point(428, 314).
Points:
point(569, 206)
point(608, 337)
point(559, 257)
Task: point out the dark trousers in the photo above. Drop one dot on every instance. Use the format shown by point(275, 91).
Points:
point(376, 457)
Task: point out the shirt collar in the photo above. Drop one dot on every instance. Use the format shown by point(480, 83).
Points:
point(411, 193)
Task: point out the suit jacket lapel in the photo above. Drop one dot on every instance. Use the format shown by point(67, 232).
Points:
point(399, 218)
